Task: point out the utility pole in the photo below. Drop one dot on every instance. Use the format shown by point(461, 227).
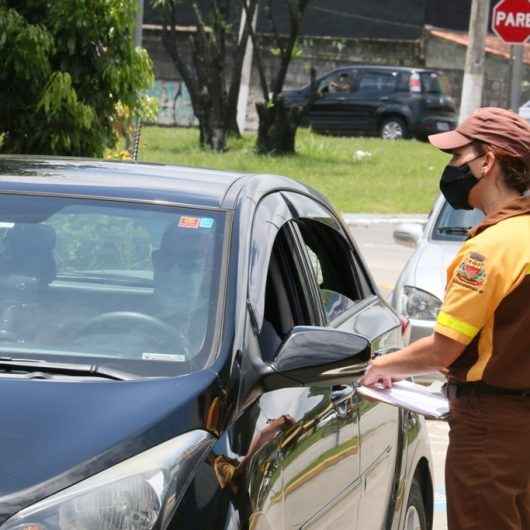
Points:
point(474, 69)
point(139, 24)
point(516, 57)
point(246, 70)
point(132, 142)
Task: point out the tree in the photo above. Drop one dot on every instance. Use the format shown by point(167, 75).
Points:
point(211, 79)
point(278, 122)
point(67, 66)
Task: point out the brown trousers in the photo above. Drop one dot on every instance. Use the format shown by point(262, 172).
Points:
point(487, 470)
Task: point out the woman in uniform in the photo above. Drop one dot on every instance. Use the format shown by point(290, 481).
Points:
point(482, 333)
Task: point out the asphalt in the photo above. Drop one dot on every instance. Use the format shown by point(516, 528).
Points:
point(386, 259)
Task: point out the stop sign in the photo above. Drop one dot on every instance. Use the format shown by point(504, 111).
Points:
point(511, 20)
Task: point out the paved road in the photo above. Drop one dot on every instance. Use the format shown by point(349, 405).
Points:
point(385, 260)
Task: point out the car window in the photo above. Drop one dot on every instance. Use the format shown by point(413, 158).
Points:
point(378, 82)
point(403, 82)
point(342, 81)
point(434, 83)
point(331, 262)
point(122, 282)
point(452, 225)
point(286, 303)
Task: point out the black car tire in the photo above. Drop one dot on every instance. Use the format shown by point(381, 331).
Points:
point(393, 128)
point(415, 516)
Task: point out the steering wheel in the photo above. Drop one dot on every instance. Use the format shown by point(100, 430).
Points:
point(127, 319)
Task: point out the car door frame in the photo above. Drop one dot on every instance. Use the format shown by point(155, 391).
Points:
point(283, 218)
point(366, 286)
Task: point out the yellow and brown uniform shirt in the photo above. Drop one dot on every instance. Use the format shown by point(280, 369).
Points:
point(487, 302)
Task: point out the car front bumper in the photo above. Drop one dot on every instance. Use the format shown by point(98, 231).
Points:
point(418, 330)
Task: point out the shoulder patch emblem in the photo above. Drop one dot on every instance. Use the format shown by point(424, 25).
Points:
point(472, 272)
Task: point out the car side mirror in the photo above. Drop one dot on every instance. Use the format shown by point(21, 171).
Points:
point(312, 355)
point(408, 234)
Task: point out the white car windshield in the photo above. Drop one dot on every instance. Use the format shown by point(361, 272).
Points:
point(122, 285)
point(453, 225)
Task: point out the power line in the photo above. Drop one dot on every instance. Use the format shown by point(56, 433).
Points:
point(363, 17)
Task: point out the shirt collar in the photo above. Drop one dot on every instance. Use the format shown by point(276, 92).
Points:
point(518, 206)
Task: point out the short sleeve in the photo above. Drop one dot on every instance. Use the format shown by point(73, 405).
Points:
point(475, 288)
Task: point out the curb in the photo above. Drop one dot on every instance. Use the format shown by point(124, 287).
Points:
point(373, 219)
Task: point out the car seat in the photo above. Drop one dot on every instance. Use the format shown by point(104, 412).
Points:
point(29, 251)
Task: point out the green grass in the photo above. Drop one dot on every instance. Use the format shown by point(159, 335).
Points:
point(396, 177)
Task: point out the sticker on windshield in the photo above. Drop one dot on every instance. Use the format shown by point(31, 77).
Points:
point(189, 222)
point(168, 357)
point(206, 222)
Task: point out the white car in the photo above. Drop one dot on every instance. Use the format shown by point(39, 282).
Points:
point(420, 288)
point(524, 111)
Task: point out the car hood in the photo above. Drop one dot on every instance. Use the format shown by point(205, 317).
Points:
point(55, 432)
point(431, 264)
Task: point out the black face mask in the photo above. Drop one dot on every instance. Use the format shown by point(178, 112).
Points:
point(456, 183)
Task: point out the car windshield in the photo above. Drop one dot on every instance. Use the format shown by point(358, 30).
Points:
point(453, 225)
point(115, 284)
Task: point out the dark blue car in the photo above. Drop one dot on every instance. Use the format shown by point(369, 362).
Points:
point(179, 348)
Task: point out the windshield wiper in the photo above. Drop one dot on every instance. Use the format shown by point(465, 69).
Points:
point(459, 230)
point(10, 364)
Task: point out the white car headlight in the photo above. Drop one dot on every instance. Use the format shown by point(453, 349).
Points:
point(419, 305)
point(132, 495)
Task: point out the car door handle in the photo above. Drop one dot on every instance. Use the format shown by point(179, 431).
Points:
point(384, 351)
point(342, 400)
point(340, 393)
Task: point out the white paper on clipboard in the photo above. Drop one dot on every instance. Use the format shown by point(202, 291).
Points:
point(411, 396)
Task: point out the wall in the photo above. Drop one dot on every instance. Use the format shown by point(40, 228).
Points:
point(326, 54)
point(450, 57)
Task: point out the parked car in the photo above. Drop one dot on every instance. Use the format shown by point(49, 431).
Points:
point(524, 111)
point(419, 291)
point(179, 349)
point(390, 102)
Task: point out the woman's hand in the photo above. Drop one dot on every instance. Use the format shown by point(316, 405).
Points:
point(375, 375)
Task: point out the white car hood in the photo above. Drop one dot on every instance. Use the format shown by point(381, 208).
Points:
point(432, 260)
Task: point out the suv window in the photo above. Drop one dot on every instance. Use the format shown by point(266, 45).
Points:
point(334, 274)
point(434, 83)
point(342, 81)
point(379, 82)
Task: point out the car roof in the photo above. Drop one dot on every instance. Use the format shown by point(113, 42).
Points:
point(115, 180)
point(146, 182)
point(384, 67)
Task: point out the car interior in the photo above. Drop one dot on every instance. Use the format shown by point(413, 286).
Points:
point(120, 308)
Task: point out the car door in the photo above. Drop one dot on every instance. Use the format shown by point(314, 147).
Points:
point(319, 442)
point(331, 111)
point(350, 304)
point(375, 88)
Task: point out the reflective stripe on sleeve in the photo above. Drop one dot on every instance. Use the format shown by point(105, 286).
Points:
point(460, 326)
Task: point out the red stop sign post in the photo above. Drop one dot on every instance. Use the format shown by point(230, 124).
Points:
point(511, 21)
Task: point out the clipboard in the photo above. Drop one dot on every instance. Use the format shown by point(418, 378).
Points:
point(405, 394)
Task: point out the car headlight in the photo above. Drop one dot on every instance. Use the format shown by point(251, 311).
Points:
point(133, 495)
point(419, 305)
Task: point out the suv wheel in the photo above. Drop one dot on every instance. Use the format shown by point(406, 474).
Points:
point(415, 518)
point(393, 129)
